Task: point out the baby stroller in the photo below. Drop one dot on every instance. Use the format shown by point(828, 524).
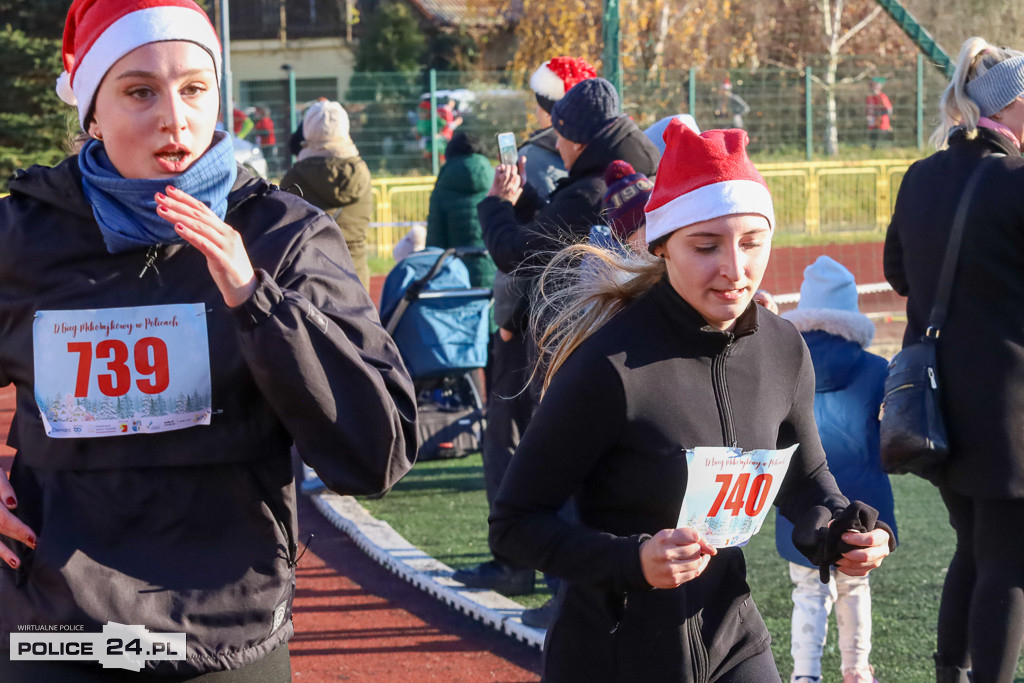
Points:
point(441, 327)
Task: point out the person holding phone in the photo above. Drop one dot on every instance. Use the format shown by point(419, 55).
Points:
point(645, 361)
point(520, 222)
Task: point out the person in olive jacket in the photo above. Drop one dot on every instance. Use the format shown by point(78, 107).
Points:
point(980, 350)
point(453, 222)
point(332, 176)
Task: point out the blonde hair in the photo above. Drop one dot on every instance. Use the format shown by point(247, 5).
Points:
point(581, 289)
point(956, 109)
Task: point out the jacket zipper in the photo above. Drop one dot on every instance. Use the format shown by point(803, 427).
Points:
point(151, 253)
point(722, 394)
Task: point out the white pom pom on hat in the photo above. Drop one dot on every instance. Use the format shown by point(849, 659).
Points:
point(704, 176)
point(97, 33)
point(556, 76)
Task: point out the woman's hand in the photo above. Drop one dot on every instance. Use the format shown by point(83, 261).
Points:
point(11, 526)
point(508, 182)
point(674, 556)
point(874, 547)
point(220, 243)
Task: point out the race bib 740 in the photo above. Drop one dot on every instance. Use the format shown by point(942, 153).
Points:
point(119, 371)
point(729, 492)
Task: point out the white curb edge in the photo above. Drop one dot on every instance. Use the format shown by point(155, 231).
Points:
point(387, 547)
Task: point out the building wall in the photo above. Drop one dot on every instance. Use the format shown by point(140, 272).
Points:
point(261, 60)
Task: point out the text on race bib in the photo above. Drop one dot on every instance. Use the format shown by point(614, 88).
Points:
point(729, 492)
point(119, 371)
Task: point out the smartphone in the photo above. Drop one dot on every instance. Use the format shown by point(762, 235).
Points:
point(507, 153)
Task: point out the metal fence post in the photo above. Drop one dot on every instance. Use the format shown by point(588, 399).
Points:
point(692, 92)
point(808, 113)
point(612, 64)
point(920, 101)
point(293, 113)
point(434, 153)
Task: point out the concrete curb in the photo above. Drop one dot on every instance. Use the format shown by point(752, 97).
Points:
point(386, 547)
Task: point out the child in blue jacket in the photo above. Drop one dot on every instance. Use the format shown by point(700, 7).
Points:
point(849, 384)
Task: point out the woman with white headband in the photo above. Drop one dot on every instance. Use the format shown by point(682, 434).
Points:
point(172, 325)
point(980, 350)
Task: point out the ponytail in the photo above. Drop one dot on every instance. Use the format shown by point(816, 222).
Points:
point(956, 108)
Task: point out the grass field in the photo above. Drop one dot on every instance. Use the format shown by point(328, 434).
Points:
point(440, 507)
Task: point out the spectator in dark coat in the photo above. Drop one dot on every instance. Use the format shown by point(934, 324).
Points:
point(592, 133)
point(462, 183)
point(980, 351)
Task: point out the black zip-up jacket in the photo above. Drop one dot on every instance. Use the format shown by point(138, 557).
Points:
point(611, 433)
point(981, 345)
point(193, 530)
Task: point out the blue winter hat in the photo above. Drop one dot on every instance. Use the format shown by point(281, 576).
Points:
point(587, 109)
point(828, 302)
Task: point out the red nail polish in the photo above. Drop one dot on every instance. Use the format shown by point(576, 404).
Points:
point(13, 563)
point(31, 542)
point(11, 502)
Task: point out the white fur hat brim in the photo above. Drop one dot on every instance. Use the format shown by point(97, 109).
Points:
point(547, 83)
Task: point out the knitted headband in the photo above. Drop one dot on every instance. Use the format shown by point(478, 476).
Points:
point(998, 87)
point(97, 33)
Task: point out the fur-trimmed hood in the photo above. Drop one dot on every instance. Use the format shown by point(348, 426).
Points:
point(855, 327)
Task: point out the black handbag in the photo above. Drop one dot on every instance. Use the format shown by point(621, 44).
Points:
point(913, 431)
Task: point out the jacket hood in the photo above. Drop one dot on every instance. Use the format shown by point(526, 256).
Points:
point(544, 138)
point(834, 357)
point(621, 139)
point(332, 181)
point(59, 186)
point(855, 327)
point(467, 174)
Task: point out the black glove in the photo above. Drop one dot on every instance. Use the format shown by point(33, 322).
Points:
point(823, 544)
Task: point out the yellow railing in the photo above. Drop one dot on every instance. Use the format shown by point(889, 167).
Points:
point(818, 199)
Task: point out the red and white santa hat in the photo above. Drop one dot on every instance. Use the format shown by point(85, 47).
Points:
point(97, 33)
point(555, 77)
point(704, 176)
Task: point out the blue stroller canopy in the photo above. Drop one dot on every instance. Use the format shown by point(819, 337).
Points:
point(440, 323)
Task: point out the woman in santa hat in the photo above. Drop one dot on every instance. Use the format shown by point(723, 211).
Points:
point(172, 326)
point(675, 410)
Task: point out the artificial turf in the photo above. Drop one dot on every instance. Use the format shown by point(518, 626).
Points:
point(441, 508)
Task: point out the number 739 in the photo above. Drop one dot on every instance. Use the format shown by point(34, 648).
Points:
point(149, 358)
point(735, 496)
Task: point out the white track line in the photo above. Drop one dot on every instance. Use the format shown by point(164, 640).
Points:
point(387, 547)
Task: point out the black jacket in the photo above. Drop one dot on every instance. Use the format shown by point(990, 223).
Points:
point(194, 530)
point(533, 229)
point(981, 347)
point(611, 433)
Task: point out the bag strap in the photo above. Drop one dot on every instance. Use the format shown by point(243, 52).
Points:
point(941, 306)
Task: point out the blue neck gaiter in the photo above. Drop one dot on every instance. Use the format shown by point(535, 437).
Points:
point(125, 208)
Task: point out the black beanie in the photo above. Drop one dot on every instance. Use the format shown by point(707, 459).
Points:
point(586, 110)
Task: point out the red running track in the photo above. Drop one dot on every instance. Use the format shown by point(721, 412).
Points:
point(355, 621)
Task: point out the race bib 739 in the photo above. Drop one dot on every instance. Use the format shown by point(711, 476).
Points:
point(119, 371)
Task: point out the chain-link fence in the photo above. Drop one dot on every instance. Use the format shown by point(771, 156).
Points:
point(392, 127)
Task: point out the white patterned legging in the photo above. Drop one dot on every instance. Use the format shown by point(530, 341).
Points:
point(812, 603)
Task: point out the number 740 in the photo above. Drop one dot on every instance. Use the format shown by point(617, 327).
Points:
point(736, 497)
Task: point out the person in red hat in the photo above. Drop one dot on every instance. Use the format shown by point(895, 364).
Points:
point(675, 412)
point(172, 325)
